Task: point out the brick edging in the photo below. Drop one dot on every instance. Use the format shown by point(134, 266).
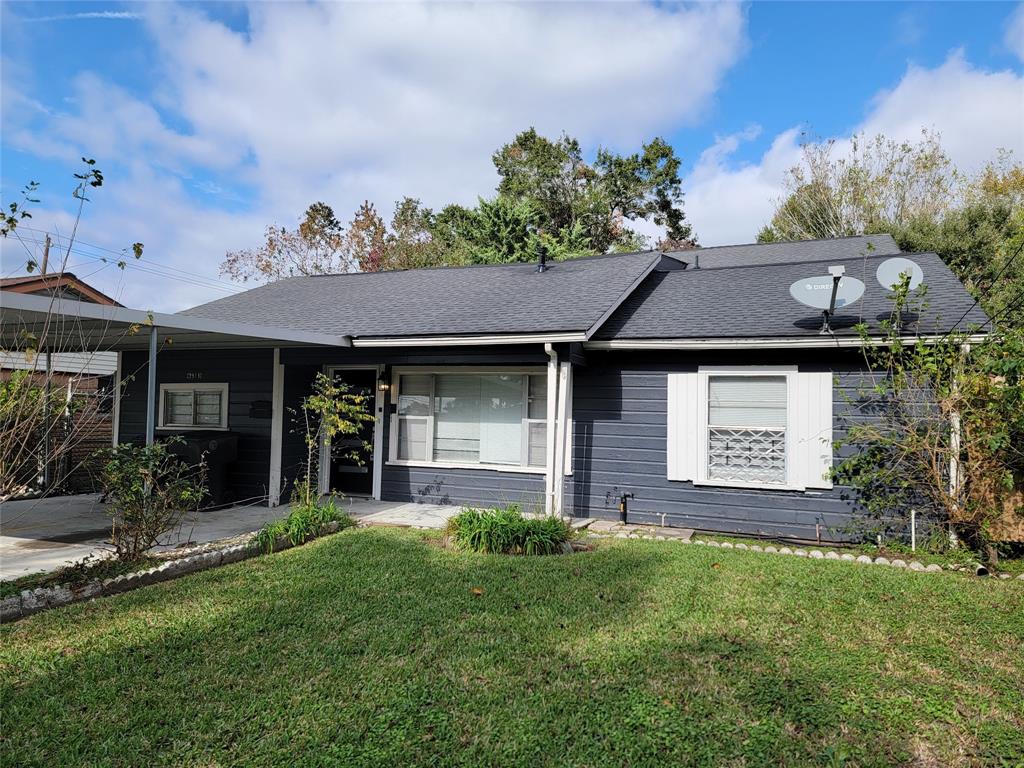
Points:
point(31, 601)
point(816, 554)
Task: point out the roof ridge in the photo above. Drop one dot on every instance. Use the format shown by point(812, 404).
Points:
point(786, 242)
point(769, 264)
point(439, 267)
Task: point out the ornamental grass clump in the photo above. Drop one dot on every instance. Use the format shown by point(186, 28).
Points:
point(304, 522)
point(505, 530)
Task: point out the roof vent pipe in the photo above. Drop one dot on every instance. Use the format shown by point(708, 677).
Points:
point(542, 254)
point(696, 258)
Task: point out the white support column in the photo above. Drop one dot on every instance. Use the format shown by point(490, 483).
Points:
point(551, 431)
point(116, 418)
point(564, 377)
point(276, 431)
point(151, 388)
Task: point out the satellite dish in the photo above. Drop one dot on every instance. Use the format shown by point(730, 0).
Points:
point(891, 270)
point(817, 292)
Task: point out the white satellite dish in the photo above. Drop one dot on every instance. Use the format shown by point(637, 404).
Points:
point(891, 270)
point(817, 292)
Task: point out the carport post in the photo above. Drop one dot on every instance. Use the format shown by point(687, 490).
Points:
point(151, 388)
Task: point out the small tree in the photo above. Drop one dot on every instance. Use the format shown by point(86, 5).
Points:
point(942, 429)
point(330, 410)
point(44, 420)
point(148, 491)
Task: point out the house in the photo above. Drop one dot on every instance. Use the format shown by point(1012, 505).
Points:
point(86, 378)
point(692, 380)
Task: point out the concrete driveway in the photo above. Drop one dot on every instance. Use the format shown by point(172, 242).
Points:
point(46, 534)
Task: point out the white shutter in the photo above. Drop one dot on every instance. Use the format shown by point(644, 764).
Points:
point(812, 429)
point(683, 425)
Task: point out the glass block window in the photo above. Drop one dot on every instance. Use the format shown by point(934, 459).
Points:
point(747, 429)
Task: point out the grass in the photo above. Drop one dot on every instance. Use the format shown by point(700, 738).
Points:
point(379, 647)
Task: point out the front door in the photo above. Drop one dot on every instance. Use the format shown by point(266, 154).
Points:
point(348, 476)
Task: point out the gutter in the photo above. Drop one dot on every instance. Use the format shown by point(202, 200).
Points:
point(798, 342)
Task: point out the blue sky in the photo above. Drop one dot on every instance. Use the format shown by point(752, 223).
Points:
point(211, 121)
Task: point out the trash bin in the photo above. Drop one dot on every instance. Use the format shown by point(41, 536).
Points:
point(220, 450)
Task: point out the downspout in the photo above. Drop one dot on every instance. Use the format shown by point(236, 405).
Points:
point(551, 432)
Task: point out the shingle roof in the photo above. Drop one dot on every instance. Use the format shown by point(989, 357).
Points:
point(754, 254)
point(754, 302)
point(500, 299)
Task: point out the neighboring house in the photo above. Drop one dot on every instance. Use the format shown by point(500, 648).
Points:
point(85, 377)
point(691, 380)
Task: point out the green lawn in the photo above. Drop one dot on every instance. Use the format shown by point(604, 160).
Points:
point(373, 647)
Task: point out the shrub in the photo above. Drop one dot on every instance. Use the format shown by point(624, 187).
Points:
point(148, 489)
point(506, 530)
point(303, 522)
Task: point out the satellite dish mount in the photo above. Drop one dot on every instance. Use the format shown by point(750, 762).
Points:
point(826, 314)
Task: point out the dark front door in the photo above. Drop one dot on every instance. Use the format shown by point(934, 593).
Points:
point(347, 475)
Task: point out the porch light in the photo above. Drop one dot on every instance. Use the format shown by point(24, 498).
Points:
point(383, 384)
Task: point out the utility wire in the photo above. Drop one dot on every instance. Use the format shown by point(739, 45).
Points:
point(991, 285)
point(123, 254)
point(185, 277)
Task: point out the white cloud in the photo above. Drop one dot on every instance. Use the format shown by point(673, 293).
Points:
point(114, 15)
point(347, 101)
point(1014, 37)
point(975, 111)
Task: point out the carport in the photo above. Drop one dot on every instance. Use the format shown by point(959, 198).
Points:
point(47, 325)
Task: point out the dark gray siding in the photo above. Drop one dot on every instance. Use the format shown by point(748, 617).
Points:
point(619, 445)
point(475, 487)
point(248, 373)
point(401, 483)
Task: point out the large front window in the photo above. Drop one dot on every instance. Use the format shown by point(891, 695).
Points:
point(747, 429)
point(490, 419)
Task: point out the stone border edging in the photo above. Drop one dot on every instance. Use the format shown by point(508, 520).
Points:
point(31, 601)
point(812, 554)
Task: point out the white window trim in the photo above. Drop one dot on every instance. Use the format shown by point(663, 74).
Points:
point(192, 387)
point(703, 374)
point(398, 371)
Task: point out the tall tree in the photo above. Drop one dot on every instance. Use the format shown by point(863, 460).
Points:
point(315, 247)
point(548, 196)
point(573, 196)
point(914, 192)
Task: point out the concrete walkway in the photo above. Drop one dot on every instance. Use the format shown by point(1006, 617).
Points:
point(47, 534)
point(405, 515)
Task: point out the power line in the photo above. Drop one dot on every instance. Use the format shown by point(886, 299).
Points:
point(991, 285)
point(123, 253)
point(185, 277)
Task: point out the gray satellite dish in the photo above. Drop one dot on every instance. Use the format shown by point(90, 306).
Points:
point(817, 292)
point(827, 293)
point(890, 271)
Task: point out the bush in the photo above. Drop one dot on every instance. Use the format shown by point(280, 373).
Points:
point(506, 531)
point(148, 489)
point(302, 523)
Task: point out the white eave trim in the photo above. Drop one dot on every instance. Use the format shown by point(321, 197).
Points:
point(799, 342)
point(172, 322)
point(462, 341)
